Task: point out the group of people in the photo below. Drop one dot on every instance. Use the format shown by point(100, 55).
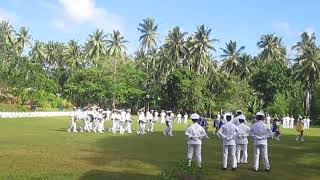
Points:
point(94, 118)
point(235, 132)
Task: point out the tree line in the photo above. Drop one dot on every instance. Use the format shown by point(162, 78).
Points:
point(180, 74)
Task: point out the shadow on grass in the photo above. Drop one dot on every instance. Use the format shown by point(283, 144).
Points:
point(152, 153)
point(104, 175)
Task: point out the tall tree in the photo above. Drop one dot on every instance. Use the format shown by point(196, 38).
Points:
point(200, 45)
point(148, 29)
point(95, 46)
point(231, 56)
point(23, 39)
point(116, 44)
point(73, 55)
point(272, 47)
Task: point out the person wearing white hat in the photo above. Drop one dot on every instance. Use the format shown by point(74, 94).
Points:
point(108, 113)
point(236, 118)
point(185, 118)
point(179, 116)
point(114, 121)
point(169, 119)
point(129, 121)
point(142, 122)
point(228, 132)
point(308, 122)
point(122, 121)
point(73, 119)
point(150, 121)
point(242, 141)
point(260, 132)
point(163, 117)
point(156, 116)
point(195, 133)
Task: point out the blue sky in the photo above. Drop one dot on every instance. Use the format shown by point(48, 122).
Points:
point(243, 21)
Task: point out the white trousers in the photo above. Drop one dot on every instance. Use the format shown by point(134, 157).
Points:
point(179, 121)
point(121, 127)
point(151, 126)
point(162, 120)
point(185, 120)
point(308, 125)
point(73, 126)
point(225, 151)
point(142, 128)
point(85, 125)
point(196, 149)
point(129, 127)
point(264, 152)
point(242, 148)
point(168, 130)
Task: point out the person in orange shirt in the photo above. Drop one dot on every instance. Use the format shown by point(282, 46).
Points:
point(300, 129)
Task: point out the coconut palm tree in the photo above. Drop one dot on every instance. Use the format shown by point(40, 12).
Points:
point(245, 67)
point(200, 46)
point(176, 50)
point(231, 56)
point(95, 46)
point(116, 44)
point(307, 67)
point(37, 52)
point(23, 39)
point(148, 29)
point(7, 30)
point(272, 48)
point(73, 55)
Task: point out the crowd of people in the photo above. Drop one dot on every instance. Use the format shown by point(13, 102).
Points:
point(232, 129)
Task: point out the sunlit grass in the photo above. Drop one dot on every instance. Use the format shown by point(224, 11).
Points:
point(40, 148)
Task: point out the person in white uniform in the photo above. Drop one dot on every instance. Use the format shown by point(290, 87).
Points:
point(169, 121)
point(291, 124)
point(142, 122)
point(236, 118)
point(242, 141)
point(268, 120)
point(185, 118)
point(156, 116)
point(308, 122)
point(179, 116)
point(150, 121)
point(163, 117)
point(260, 132)
point(228, 132)
point(195, 133)
point(114, 122)
point(128, 121)
point(108, 112)
point(73, 119)
point(122, 121)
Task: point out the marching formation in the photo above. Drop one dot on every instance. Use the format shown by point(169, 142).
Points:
point(233, 130)
point(93, 120)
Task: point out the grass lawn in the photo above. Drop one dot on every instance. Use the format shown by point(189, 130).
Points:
point(40, 148)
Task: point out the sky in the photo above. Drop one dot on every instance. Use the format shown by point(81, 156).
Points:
point(241, 20)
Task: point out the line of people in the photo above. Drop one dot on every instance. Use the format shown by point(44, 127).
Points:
point(234, 133)
point(93, 119)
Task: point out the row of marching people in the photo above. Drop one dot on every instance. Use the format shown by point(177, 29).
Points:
point(93, 119)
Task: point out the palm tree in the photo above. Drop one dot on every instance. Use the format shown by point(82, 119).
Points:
point(307, 68)
point(7, 30)
point(245, 66)
point(272, 48)
point(175, 48)
point(73, 55)
point(231, 56)
point(24, 39)
point(149, 36)
point(37, 52)
point(116, 44)
point(95, 46)
point(200, 46)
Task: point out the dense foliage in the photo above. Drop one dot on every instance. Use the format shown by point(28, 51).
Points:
point(180, 74)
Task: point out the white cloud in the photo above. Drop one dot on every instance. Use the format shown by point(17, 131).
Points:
point(284, 27)
point(72, 14)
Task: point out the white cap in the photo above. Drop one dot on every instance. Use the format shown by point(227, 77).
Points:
point(242, 117)
point(260, 113)
point(195, 116)
point(227, 114)
point(238, 111)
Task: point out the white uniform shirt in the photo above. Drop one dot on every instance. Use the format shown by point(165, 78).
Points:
point(123, 116)
point(260, 132)
point(179, 116)
point(244, 131)
point(228, 132)
point(268, 120)
point(72, 114)
point(185, 116)
point(141, 117)
point(156, 114)
point(128, 117)
point(195, 133)
point(163, 115)
point(236, 120)
point(114, 116)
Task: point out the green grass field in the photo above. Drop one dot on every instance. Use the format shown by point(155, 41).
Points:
point(40, 148)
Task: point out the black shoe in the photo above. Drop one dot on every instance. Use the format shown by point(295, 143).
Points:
point(267, 169)
point(234, 169)
point(224, 169)
point(255, 170)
